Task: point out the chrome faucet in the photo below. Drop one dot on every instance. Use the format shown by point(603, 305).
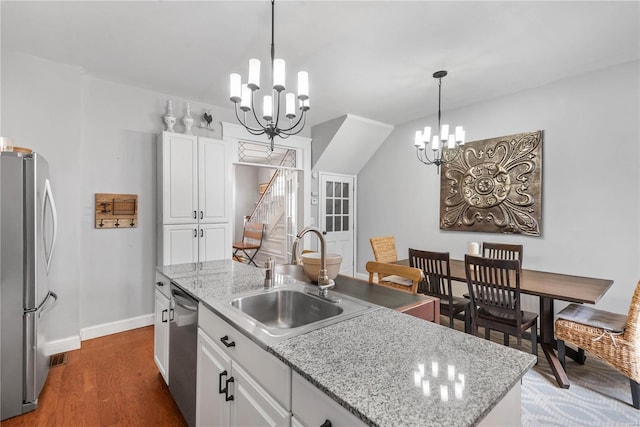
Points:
point(324, 283)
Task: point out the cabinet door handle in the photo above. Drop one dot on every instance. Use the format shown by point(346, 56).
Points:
point(225, 340)
point(159, 283)
point(163, 313)
point(201, 215)
point(201, 232)
point(326, 423)
point(228, 397)
point(222, 390)
point(195, 215)
point(195, 232)
point(171, 315)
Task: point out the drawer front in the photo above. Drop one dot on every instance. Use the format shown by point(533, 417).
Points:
point(266, 369)
point(311, 407)
point(162, 284)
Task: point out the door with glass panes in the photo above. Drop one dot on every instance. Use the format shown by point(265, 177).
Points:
point(337, 195)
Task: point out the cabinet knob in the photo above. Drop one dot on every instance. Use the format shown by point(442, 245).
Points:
point(159, 283)
point(222, 390)
point(228, 397)
point(225, 340)
point(326, 423)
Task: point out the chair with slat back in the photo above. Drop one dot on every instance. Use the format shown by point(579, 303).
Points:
point(384, 248)
point(252, 236)
point(612, 337)
point(437, 282)
point(494, 288)
point(404, 278)
point(502, 251)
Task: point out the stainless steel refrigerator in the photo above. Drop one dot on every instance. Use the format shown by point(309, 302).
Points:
point(28, 227)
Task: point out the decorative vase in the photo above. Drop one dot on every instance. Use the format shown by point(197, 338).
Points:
point(169, 118)
point(187, 120)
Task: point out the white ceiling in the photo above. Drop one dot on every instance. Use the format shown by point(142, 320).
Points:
point(370, 58)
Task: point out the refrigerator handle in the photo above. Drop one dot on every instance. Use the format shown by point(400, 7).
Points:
point(44, 307)
point(48, 195)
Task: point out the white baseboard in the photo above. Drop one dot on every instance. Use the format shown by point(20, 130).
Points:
point(115, 327)
point(65, 344)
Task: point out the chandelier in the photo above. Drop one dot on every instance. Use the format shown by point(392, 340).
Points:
point(243, 96)
point(445, 147)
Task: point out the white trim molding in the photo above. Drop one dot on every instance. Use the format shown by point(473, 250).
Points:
point(62, 345)
point(115, 327)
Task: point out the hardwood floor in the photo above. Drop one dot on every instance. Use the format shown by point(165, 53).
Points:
point(110, 381)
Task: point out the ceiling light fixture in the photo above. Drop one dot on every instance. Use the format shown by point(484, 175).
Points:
point(441, 154)
point(242, 95)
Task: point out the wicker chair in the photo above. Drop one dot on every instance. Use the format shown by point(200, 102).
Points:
point(502, 251)
point(412, 276)
point(437, 282)
point(622, 351)
point(384, 249)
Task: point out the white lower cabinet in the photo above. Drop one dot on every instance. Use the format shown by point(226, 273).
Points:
point(187, 243)
point(161, 326)
point(311, 407)
point(238, 383)
point(214, 369)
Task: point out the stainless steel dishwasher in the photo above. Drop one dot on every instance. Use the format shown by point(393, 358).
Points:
point(183, 344)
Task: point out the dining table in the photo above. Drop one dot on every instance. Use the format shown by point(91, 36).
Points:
point(549, 287)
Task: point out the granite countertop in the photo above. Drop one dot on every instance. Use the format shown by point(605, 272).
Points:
point(373, 374)
point(370, 372)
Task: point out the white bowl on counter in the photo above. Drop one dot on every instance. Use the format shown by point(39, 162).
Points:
point(311, 264)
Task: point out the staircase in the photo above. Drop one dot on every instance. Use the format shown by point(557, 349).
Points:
point(276, 209)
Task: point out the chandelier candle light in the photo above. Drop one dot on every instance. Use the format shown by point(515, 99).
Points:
point(437, 141)
point(243, 96)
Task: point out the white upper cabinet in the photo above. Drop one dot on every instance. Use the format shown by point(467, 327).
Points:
point(194, 199)
point(213, 188)
point(195, 179)
point(179, 178)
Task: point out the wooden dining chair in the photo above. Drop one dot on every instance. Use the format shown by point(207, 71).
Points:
point(395, 276)
point(502, 251)
point(252, 236)
point(384, 248)
point(494, 288)
point(437, 282)
point(612, 337)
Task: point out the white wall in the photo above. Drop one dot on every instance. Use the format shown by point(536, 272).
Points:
point(99, 137)
point(246, 196)
point(591, 205)
point(41, 110)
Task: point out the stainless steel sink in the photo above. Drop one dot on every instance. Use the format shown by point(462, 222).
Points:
point(286, 309)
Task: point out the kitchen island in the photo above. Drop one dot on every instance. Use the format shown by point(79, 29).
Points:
point(382, 366)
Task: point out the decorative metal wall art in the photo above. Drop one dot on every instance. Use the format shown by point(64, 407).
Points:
point(494, 186)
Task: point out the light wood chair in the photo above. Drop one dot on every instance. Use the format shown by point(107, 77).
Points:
point(395, 276)
point(502, 251)
point(494, 288)
point(608, 336)
point(384, 248)
point(437, 282)
point(252, 236)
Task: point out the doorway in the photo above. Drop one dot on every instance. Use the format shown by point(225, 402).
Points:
point(337, 217)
